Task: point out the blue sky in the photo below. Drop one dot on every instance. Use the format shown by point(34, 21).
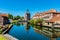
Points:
point(18, 7)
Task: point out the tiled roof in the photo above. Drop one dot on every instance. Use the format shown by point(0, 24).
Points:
point(36, 15)
point(52, 10)
point(55, 18)
point(44, 13)
point(56, 15)
point(6, 15)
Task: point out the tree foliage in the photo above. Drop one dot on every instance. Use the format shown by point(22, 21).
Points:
point(39, 20)
point(22, 18)
point(31, 21)
point(18, 17)
point(36, 21)
point(10, 16)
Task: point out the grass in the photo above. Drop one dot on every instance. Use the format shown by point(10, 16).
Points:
point(2, 37)
point(0, 30)
point(15, 20)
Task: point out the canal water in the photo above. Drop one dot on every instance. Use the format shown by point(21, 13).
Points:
point(24, 32)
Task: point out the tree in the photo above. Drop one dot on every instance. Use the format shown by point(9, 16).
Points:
point(17, 17)
point(10, 16)
point(14, 18)
point(39, 20)
point(22, 18)
point(32, 21)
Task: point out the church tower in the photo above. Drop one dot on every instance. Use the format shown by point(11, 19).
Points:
point(27, 15)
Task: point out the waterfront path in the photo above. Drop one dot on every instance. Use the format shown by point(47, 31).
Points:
point(9, 26)
point(9, 37)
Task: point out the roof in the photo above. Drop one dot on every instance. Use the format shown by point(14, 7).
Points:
point(56, 15)
point(52, 10)
point(43, 13)
point(55, 18)
point(36, 15)
point(48, 12)
point(6, 15)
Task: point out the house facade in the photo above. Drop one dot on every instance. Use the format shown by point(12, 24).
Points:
point(4, 19)
point(50, 17)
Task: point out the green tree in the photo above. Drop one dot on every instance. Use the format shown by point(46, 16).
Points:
point(39, 20)
point(17, 17)
point(14, 18)
point(36, 21)
point(32, 21)
point(10, 16)
point(22, 18)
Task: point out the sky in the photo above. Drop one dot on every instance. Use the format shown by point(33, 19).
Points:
point(18, 7)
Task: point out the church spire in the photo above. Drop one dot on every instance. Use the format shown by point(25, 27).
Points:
point(27, 16)
point(27, 11)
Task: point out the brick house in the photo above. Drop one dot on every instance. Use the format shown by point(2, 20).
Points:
point(50, 17)
point(4, 19)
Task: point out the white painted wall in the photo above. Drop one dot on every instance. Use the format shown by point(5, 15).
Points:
point(49, 15)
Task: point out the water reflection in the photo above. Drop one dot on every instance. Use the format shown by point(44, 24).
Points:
point(52, 33)
point(18, 23)
point(27, 26)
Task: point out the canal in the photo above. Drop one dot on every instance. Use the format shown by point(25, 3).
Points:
point(24, 32)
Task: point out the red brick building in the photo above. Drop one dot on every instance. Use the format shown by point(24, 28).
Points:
point(4, 19)
point(51, 16)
